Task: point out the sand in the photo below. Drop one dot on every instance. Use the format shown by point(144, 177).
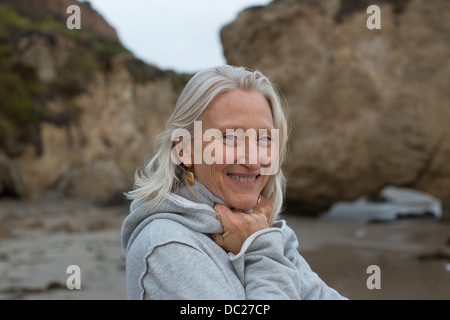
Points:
point(39, 241)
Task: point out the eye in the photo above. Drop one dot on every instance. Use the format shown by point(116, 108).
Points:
point(264, 139)
point(230, 138)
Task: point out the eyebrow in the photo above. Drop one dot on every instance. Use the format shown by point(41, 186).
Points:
point(235, 127)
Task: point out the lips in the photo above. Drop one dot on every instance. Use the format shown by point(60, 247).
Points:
point(240, 178)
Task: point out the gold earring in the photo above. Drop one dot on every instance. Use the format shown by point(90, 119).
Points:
point(259, 199)
point(190, 178)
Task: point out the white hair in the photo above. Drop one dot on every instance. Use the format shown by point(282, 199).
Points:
point(162, 176)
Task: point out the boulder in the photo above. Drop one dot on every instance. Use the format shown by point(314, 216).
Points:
point(368, 108)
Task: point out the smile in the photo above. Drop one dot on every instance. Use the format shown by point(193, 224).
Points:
point(243, 179)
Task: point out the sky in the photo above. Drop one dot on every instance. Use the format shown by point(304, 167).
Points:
point(181, 35)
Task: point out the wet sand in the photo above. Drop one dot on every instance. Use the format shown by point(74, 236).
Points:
point(39, 241)
point(413, 256)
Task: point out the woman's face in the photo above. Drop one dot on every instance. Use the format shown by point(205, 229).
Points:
point(237, 178)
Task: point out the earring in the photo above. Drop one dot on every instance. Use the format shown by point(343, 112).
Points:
point(190, 178)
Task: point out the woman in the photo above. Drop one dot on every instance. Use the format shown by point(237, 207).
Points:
point(203, 221)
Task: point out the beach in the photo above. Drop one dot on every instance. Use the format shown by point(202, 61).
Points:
point(39, 241)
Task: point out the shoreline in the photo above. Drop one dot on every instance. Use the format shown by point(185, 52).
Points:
point(38, 241)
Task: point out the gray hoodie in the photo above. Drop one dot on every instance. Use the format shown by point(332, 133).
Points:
point(170, 255)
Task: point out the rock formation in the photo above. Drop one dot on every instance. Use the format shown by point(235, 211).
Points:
point(368, 108)
point(81, 112)
point(90, 18)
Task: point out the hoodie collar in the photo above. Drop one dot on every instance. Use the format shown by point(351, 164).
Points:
point(191, 209)
point(190, 206)
point(200, 194)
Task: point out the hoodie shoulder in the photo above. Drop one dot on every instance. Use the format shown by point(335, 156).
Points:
point(162, 231)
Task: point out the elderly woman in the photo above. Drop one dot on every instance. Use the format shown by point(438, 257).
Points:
point(204, 217)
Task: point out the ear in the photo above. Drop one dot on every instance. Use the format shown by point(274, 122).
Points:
point(184, 151)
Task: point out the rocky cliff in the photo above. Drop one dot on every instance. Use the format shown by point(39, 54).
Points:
point(368, 108)
point(90, 18)
point(78, 112)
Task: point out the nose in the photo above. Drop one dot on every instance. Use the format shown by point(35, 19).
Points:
point(249, 157)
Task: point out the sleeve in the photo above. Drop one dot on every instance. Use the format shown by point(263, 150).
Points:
point(199, 278)
point(264, 270)
point(268, 266)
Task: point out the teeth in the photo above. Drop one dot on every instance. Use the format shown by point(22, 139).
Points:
point(242, 179)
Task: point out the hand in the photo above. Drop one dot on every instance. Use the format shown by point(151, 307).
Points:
point(238, 226)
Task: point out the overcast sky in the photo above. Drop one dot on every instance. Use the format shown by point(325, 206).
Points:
point(182, 35)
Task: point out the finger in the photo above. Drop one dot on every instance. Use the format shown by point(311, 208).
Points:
point(222, 210)
point(217, 238)
point(225, 214)
point(264, 206)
